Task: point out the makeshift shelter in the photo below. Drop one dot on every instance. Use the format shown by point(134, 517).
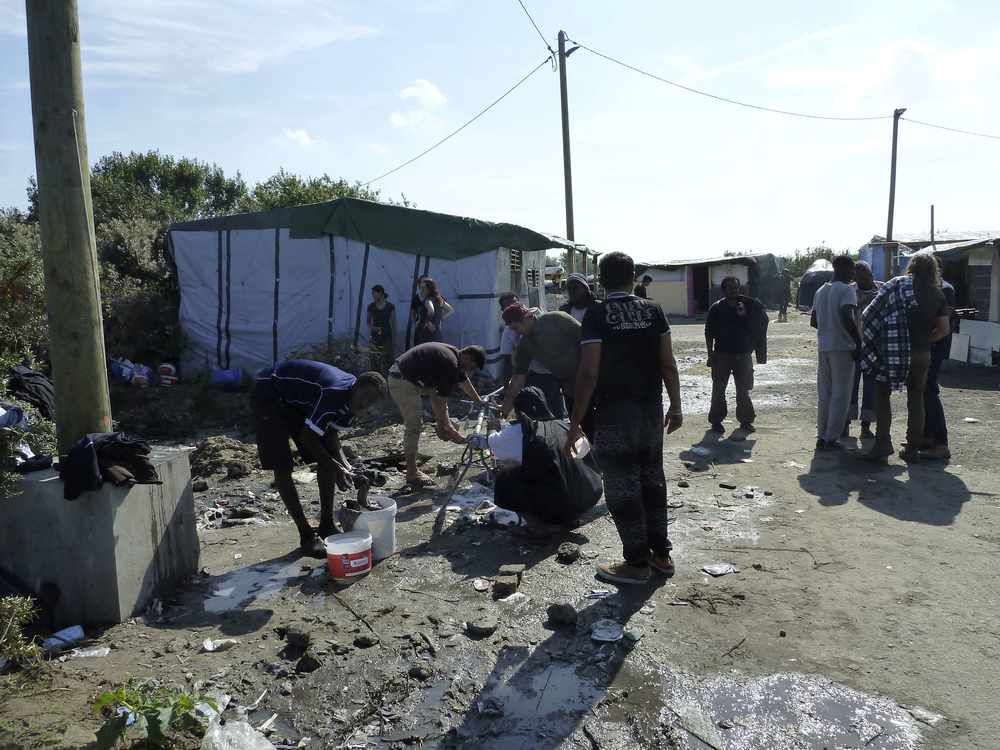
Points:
point(258, 287)
point(820, 272)
point(689, 287)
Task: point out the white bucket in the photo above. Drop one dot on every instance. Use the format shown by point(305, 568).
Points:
point(381, 524)
point(349, 555)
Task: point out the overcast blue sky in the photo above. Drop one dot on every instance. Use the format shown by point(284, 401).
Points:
point(354, 88)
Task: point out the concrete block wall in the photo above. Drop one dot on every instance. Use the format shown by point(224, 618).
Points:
point(108, 553)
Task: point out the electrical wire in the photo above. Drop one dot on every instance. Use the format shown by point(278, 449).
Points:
point(540, 34)
point(462, 127)
point(953, 130)
point(727, 100)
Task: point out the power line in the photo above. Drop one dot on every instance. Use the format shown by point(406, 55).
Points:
point(540, 34)
point(462, 127)
point(953, 130)
point(689, 89)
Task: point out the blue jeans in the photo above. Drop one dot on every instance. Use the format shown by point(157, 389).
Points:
point(935, 427)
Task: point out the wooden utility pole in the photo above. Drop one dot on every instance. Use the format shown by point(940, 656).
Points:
point(72, 287)
point(892, 171)
point(567, 168)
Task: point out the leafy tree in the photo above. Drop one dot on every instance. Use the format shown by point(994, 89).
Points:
point(156, 187)
point(286, 189)
point(798, 263)
point(23, 332)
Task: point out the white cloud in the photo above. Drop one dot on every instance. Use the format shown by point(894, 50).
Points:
point(189, 40)
point(12, 18)
point(300, 136)
point(425, 93)
point(426, 96)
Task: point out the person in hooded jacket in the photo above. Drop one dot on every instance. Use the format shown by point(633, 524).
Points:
point(541, 481)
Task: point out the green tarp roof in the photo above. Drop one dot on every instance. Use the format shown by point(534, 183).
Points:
point(391, 227)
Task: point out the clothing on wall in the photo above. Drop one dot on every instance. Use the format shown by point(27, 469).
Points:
point(112, 456)
point(34, 388)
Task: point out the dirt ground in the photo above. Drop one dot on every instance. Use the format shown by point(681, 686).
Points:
point(863, 613)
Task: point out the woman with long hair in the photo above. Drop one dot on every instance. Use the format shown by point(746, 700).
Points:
point(429, 313)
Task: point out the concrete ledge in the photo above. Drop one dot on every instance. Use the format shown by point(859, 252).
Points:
point(108, 553)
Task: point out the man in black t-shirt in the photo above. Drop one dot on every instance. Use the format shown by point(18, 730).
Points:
point(640, 288)
point(732, 333)
point(431, 369)
point(309, 402)
point(626, 358)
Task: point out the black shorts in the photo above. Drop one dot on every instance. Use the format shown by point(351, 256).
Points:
point(276, 425)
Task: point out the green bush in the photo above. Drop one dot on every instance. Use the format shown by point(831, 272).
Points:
point(23, 331)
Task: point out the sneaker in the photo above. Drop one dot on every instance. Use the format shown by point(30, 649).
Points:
point(748, 428)
point(866, 431)
point(910, 455)
point(662, 564)
point(314, 547)
point(939, 452)
point(717, 427)
point(820, 444)
point(623, 573)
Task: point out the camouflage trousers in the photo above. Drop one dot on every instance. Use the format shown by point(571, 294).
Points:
point(628, 445)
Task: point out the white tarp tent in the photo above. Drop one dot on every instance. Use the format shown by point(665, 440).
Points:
point(256, 288)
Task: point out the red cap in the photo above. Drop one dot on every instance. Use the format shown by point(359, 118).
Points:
point(514, 313)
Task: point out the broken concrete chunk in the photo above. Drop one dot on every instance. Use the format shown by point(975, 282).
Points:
point(505, 585)
point(483, 625)
point(562, 613)
point(513, 569)
point(568, 553)
point(366, 640)
point(307, 664)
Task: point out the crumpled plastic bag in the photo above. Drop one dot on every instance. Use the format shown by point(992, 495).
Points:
point(234, 735)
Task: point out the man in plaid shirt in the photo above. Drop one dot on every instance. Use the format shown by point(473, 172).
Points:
point(906, 317)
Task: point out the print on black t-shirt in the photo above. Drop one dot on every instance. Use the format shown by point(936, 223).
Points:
point(629, 329)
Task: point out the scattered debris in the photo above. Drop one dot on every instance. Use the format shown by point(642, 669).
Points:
point(237, 470)
point(606, 631)
point(684, 484)
point(446, 469)
point(923, 715)
point(568, 553)
point(730, 651)
point(304, 476)
point(481, 584)
point(727, 485)
point(199, 485)
point(598, 594)
point(223, 644)
point(562, 613)
point(633, 635)
point(84, 653)
point(286, 688)
point(720, 569)
point(971, 420)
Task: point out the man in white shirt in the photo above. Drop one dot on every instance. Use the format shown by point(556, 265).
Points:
point(834, 316)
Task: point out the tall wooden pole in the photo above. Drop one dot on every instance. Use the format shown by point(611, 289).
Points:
point(567, 168)
point(892, 190)
point(72, 288)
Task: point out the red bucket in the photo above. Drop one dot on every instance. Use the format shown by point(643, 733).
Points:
point(349, 555)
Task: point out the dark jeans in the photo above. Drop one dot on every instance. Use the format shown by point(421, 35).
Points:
point(935, 426)
point(740, 368)
point(867, 411)
point(628, 445)
point(916, 383)
point(550, 386)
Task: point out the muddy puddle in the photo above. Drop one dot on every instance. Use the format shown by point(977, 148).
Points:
point(239, 587)
point(772, 383)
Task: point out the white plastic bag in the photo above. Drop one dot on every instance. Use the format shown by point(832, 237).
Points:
point(234, 735)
